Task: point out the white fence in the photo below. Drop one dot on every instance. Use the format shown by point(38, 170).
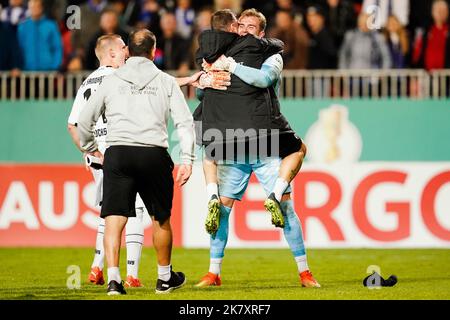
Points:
point(345, 84)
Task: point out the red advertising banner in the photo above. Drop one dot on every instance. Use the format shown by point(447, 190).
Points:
point(376, 204)
point(53, 205)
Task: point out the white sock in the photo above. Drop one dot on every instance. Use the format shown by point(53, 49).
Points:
point(164, 272)
point(134, 238)
point(114, 274)
point(280, 188)
point(212, 189)
point(99, 256)
point(302, 263)
point(215, 265)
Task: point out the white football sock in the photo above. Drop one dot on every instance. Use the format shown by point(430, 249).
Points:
point(212, 189)
point(280, 188)
point(164, 272)
point(302, 263)
point(99, 256)
point(215, 265)
point(134, 238)
point(114, 274)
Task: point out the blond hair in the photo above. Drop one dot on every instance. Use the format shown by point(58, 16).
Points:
point(255, 13)
point(103, 42)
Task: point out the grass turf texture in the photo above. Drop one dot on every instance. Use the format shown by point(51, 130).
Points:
point(32, 273)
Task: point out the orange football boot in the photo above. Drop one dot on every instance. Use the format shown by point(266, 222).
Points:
point(308, 281)
point(96, 276)
point(133, 282)
point(210, 279)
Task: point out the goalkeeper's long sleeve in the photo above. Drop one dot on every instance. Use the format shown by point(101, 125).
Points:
point(265, 77)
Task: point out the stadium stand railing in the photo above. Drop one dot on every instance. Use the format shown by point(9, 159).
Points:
point(299, 84)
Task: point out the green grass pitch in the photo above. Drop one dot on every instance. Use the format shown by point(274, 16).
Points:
point(261, 274)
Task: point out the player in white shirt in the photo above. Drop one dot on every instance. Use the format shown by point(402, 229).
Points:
point(111, 52)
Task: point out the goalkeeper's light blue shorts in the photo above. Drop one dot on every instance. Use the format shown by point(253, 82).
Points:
point(233, 177)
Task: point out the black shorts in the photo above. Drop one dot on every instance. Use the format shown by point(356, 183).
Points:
point(289, 143)
point(128, 170)
point(280, 145)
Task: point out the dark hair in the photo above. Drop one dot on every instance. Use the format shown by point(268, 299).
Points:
point(316, 9)
point(222, 19)
point(141, 43)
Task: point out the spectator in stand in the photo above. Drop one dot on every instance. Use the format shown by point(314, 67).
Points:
point(397, 41)
point(233, 5)
point(432, 49)
point(270, 9)
point(295, 38)
point(419, 15)
point(296, 11)
point(109, 24)
point(174, 49)
point(128, 12)
point(185, 18)
point(9, 50)
point(398, 8)
point(66, 43)
point(322, 52)
point(202, 23)
point(340, 18)
point(199, 5)
point(55, 9)
point(13, 14)
point(39, 40)
point(364, 48)
point(150, 17)
point(90, 13)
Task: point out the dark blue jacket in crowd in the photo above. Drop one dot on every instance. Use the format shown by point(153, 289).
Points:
point(41, 44)
point(9, 48)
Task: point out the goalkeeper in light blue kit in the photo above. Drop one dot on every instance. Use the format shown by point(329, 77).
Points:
point(274, 173)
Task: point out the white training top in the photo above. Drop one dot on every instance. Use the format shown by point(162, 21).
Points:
point(85, 91)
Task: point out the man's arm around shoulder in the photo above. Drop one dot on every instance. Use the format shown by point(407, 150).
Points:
point(265, 77)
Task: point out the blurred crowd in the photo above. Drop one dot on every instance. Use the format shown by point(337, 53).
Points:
point(36, 35)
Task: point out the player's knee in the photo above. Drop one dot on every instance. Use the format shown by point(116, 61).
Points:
point(303, 149)
point(286, 197)
point(227, 202)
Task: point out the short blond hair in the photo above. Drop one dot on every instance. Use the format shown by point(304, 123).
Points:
point(103, 41)
point(255, 13)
